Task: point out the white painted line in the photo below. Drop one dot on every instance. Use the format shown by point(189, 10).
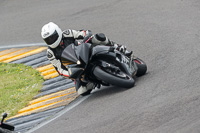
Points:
point(68, 108)
point(23, 45)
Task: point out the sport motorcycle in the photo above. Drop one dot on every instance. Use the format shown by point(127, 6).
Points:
point(102, 65)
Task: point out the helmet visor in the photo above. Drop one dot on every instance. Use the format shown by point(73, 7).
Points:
point(51, 39)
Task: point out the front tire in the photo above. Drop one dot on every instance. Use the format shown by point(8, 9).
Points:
point(124, 80)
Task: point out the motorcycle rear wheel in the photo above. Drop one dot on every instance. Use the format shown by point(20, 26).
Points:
point(121, 79)
point(142, 67)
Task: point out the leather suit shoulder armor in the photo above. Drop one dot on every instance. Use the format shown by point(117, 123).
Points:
point(68, 33)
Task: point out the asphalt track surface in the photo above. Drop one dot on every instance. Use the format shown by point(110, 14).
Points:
point(165, 34)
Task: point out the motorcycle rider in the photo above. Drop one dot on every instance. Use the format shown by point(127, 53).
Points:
point(57, 40)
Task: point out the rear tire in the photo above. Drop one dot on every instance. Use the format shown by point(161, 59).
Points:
point(142, 67)
point(125, 81)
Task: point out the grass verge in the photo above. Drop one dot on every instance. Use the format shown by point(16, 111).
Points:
point(18, 85)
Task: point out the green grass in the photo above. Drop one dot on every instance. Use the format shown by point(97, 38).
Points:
point(18, 85)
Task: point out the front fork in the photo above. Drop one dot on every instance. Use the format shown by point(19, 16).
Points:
point(129, 63)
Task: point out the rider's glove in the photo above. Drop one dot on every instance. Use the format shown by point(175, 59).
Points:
point(120, 48)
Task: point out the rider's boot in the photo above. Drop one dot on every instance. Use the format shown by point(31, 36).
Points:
point(84, 89)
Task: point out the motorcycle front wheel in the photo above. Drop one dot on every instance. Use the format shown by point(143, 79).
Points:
point(118, 78)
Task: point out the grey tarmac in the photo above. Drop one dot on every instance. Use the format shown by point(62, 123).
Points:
point(164, 33)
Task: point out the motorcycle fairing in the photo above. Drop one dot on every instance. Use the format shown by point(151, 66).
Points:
point(69, 54)
point(104, 53)
point(74, 71)
point(83, 52)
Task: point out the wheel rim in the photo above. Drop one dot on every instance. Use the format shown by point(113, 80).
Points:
point(119, 74)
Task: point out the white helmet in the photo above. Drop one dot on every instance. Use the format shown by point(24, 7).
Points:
point(51, 34)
